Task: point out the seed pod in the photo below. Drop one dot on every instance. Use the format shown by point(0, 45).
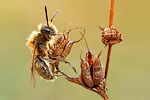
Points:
point(89, 56)
point(61, 49)
point(111, 36)
point(86, 77)
point(97, 71)
point(95, 66)
point(61, 45)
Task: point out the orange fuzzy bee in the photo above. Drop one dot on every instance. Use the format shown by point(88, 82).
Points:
point(38, 42)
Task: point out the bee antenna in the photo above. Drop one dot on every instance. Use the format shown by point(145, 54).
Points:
point(54, 15)
point(46, 16)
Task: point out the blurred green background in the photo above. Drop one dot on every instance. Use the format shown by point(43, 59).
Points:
point(129, 72)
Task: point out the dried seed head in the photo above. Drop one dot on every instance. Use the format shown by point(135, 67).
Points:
point(110, 36)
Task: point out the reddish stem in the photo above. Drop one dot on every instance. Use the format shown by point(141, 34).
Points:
point(111, 13)
point(110, 26)
point(108, 59)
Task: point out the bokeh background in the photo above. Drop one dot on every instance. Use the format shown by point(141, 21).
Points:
point(129, 71)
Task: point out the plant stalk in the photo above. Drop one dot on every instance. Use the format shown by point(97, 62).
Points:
point(110, 46)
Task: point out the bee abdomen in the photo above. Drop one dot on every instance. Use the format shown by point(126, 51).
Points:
point(43, 70)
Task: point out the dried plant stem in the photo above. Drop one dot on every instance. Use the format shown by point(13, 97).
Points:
point(111, 13)
point(96, 90)
point(108, 59)
point(79, 82)
point(110, 26)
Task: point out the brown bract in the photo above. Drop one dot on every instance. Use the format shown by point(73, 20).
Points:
point(85, 79)
point(62, 48)
point(111, 36)
point(91, 76)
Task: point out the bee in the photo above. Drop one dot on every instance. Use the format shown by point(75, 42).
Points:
point(38, 42)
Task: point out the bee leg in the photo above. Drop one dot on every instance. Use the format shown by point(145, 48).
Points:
point(49, 60)
point(45, 48)
point(56, 72)
point(62, 59)
point(63, 73)
point(58, 75)
point(51, 48)
point(70, 65)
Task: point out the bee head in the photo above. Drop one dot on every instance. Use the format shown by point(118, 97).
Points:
point(48, 30)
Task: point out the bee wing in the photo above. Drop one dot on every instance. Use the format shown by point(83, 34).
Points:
point(32, 77)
